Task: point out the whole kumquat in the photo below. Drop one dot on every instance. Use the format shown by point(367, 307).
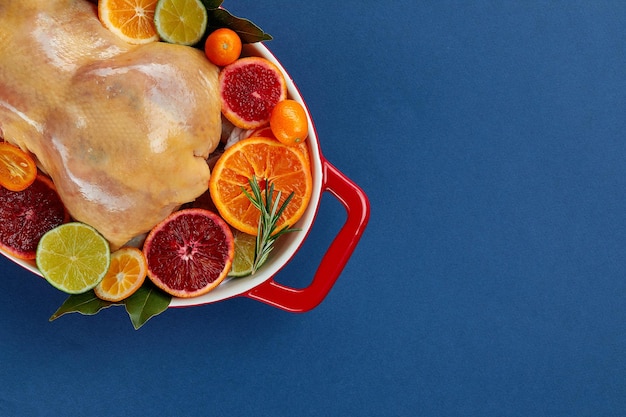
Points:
point(222, 47)
point(289, 122)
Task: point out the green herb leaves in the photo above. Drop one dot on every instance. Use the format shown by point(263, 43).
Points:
point(212, 4)
point(270, 213)
point(220, 18)
point(86, 303)
point(147, 302)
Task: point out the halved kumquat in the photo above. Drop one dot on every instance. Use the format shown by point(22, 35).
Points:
point(17, 168)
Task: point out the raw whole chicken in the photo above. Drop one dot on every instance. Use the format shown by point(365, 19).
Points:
point(123, 130)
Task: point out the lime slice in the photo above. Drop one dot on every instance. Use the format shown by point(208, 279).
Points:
point(73, 257)
point(180, 21)
point(244, 254)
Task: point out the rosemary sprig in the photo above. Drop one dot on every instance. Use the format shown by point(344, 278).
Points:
point(270, 212)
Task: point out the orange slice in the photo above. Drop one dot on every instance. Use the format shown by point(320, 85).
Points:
point(266, 132)
point(126, 274)
point(131, 20)
point(17, 168)
point(267, 160)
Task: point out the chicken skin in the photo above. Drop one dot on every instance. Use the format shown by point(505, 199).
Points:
point(123, 130)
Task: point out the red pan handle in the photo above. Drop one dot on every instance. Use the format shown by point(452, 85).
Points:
point(357, 207)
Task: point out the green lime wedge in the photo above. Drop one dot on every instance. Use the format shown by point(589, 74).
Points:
point(182, 22)
point(73, 257)
point(244, 254)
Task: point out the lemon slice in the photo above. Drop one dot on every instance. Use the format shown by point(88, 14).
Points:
point(244, 254)
point(181, 22)
point(73, 257)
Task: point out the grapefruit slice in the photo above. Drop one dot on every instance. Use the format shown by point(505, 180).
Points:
point(189, 253)
point(249, 89)
point(25, 216)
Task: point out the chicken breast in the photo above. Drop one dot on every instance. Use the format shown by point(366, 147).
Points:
point(123, 130)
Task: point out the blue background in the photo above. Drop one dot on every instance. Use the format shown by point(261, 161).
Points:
point(490, 281)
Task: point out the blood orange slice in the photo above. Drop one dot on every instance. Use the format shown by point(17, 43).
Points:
point(25, 216)
point(249, 89)
point(189, 253)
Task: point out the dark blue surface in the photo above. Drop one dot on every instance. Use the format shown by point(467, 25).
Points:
point(491, 280)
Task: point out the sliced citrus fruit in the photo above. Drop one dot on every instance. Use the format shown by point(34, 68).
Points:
point(262, 132)
point(131, 20)
point(244, 254)
point(222, 46)
point(267, 160)
point(266, 132)
point(25, 216)
point(17, 168)
point(289, 122)
point(189, 253)
point(126, 274)
point(182, 22)
point(249, 89)
point(73, 257)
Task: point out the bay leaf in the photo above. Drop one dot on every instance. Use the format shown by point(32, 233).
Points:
point(87, 303)
point(212, 4)
point(147, 302)
point(247, 31)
